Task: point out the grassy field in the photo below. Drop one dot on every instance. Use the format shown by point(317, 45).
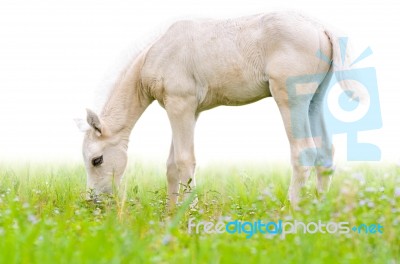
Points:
point(44, 217)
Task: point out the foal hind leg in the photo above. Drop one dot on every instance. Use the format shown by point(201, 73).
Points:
point(322, 138)
point(172, 178)
point(294, 113)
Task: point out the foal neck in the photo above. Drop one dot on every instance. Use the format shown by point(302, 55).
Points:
point(127, 100)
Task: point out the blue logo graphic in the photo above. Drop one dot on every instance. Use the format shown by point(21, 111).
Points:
point(347, 101)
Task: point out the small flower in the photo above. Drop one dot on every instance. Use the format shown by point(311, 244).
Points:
point(269, 236)
point(225, 218)
point(371, 204)
point(345, 190)
point(347, 209)
point(288, 218)
point(397, 192)
point(383, 197)
point(15, 224)
point(97, 211)
point(32, 218)
point(266, 192)
point(359, 177)
point(167, 239)
point(49, 222)
point(253, 250)
point(370, 189)
point(39, 240)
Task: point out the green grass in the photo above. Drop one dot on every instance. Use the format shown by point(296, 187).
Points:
point(44, 217)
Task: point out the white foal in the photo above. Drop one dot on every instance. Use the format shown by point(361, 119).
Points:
point(197, 65)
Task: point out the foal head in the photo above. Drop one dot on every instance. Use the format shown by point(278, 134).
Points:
point(104, 154)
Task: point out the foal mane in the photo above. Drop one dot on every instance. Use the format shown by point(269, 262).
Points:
point(115, 74)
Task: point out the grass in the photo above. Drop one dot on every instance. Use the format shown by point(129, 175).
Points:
point(44, 217)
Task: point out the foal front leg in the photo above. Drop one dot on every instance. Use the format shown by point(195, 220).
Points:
point(182, 116)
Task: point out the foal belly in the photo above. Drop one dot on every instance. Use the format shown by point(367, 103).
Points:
point(235, 95)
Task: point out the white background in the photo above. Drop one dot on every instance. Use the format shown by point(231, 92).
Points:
point(54, 54)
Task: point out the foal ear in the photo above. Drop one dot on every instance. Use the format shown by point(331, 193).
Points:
point(94, 121)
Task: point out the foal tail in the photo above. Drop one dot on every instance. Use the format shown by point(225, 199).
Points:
point(341, 64)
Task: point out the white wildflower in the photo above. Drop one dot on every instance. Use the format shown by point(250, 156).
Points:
point(15, 225)
point(32, 218)
point(167, 238)
point(359, 177)
point(383, 197)
point(97, 211)
point(288, 218)
point(370, 189)
point(397, 192)
point(345, 190)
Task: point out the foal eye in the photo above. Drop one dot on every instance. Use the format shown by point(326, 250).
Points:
point(97, 161)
